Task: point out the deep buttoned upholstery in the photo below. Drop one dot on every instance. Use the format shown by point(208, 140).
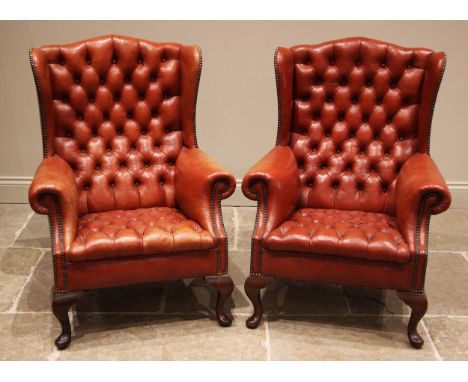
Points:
point(130, 197)
point(347, 193)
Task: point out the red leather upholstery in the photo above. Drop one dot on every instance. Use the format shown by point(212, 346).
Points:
point(118, 119)
point(141, 232)
point(356, 234)
point(355, 114)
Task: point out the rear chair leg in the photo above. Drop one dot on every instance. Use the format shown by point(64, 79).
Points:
point(61, 303)
point(418, 304)
point(225, 286)
point(252, 287)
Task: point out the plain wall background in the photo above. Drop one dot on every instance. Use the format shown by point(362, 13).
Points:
point(237, 107)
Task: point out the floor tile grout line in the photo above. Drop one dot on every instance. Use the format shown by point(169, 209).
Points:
point(449, 251)
point(235, 222)
point(431, 341)
point(14, 305)
point(267, 340)
point(20, 230)
point(242, 314)
point(22, 247)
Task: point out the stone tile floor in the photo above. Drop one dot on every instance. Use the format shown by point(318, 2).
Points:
point(175, 320)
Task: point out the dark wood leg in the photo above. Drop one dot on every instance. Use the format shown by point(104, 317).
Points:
point(418, 304)
point(252, 287)
point(61, 303)
point(225, 286)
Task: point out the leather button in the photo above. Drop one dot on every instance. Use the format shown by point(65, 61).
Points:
point(98, 167)
point(359, 187)
point(77, 81)
point(153, 78)
point(376, 136)
point(119, 130)
point(146, 164)
point(127, 80)
point(393, 84)
point(94, 133)
point(361, 151)
point(170, 162)
point(122, 165)
point(316, 116)
point(354, 100)
point(365, 119)
point(343, 83)
point(304, 131)
point(352, 135)
point(308, 61)
point(91, 99)
point(140, 61)
point(389, 120)
point(323, 166)
point(335, 185)
point(338, 151)
point(401, 138)
point(144, 131)
point(105, 117)
point(137, 183)
point(62, 62)
point(341, 118)
point(86, 187)
point(142, 97)
point(132, 148)
point(368, 83)
point(167, 130)
point(310, 183)
point(327, 134)
point(372, 169)
point(384, 188)
point(112, 184)
point(108, 149)
point(129, 114)
point(114, 60)
point(300, 165)
point(154, 114)
point(64, 99)
point(329, 99)
point(358, 63)
point(88, 61)
point(383, 65)
point(409, 66)
point(378, 101)
point(79, 117)
point(348, 168)
point(332, 62)
point(116, 98)
point(164, 59)
point(68, 134)
point(319, 81)
point(82, 149)
point(162, 181)
point(102, 81)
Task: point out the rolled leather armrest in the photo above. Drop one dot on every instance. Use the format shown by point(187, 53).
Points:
point(198, 180)
point(419, 186)
point(277, 175)
point(54, 179)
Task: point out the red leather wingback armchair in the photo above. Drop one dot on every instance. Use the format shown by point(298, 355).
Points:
point(130, 197)
point(346, 194)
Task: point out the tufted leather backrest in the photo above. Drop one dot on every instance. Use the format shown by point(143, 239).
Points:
point(118, 110)
point(353, 112)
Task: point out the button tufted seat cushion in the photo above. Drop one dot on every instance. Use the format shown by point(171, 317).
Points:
point(355, 234)
point(140, 232)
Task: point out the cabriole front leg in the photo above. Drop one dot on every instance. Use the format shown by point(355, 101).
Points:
point(252, 287)
point(225, 286)
point(418, 304)
point(61, 304)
